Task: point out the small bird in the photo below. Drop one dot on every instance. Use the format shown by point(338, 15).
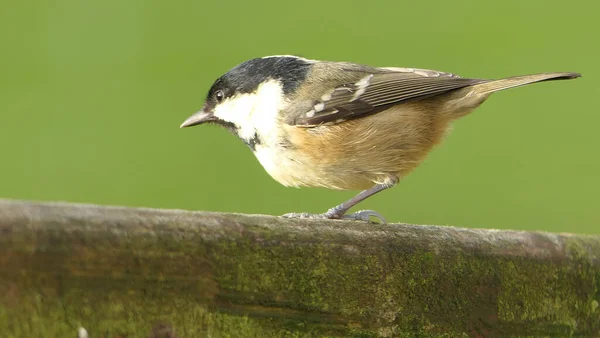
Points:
point(342, 125)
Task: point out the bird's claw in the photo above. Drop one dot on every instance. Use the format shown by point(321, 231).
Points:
point(365, 215)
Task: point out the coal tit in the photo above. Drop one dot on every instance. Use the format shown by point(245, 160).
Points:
point(343, 125)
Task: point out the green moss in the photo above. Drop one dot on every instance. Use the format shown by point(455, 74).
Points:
point(420, 290)
point(262, 281)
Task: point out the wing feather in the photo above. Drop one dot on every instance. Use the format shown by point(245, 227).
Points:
point(378, 90)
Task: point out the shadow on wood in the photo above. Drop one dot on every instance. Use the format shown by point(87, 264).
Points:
point(125, 272)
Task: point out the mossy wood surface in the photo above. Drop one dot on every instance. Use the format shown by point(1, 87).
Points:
point(126, 272)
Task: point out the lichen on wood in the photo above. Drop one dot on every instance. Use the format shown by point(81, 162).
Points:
point(124, 272)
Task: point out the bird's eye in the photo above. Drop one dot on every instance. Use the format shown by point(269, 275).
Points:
point(220, 95)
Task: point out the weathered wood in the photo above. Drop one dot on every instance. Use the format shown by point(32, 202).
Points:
point(120, 272)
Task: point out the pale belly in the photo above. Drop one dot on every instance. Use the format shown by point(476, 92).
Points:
point(294, 170)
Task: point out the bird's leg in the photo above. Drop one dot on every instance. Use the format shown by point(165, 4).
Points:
point(339, 211)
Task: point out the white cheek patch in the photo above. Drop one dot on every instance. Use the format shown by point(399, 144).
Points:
point(254, 113)
point(235, 109)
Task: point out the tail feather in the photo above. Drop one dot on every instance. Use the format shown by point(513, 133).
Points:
point(516, 81)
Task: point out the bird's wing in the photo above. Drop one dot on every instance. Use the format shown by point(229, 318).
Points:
point(377, 91)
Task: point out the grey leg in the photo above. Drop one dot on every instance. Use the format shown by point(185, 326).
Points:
point(339, 211)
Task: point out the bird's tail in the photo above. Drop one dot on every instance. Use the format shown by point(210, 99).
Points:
point(465, 100)
point(516, 81)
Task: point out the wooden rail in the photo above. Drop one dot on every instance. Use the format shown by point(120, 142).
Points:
point(127, 272)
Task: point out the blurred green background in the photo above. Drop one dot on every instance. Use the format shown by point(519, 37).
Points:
point(92, 94)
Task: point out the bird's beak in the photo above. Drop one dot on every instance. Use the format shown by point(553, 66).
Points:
point(198, 118)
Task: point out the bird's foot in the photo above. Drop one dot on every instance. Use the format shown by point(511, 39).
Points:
point(365, 215)
point(333, 213)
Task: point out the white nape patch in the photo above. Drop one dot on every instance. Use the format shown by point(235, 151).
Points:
point(362, 86)
point(290, 56)
point(254, 113)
